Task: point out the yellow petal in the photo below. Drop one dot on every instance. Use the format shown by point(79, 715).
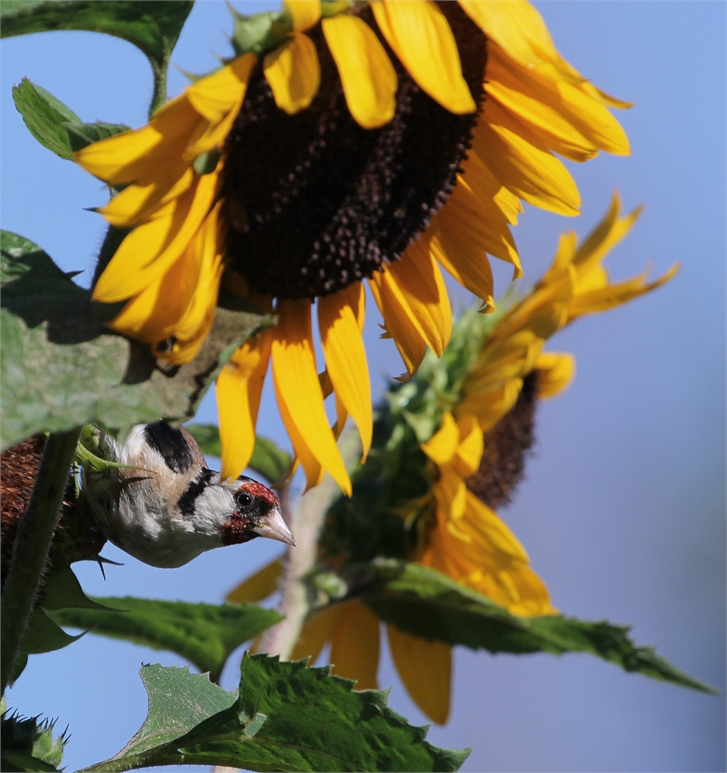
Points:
point(125, 157)
point(316, 631)
point(303, 13)
point(510, 150)
point(214, 96)
point(466, 264)
point(421, 37)
point(442, 446)
point(471, 445)
point(340, 320)
point(298, 389)
point(239, 387)
point(425, 668)
point(368, 78)
point(555, 373)
point(152, 248)
point(487, 529)
point(140, 202)
point(258, 586)
point(313, 469)
point(422, 288)
point(293, 73)
point(355, 645)
point(490, 407)
point(399, 321)
point(605, 236)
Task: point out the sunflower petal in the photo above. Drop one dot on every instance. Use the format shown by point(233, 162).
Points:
point(293, 73)
point(368, 78)
point(298, 389)
point(422, 287)
point(340, 320)
point(466, 264)
point(316, 632)
point(425, 668)
point(442, 446)
point(401, 325)
point(303, 13)
point(355, 645)
point(420, 35)
point(556, 371)
point(239, 387)
point(258, 586)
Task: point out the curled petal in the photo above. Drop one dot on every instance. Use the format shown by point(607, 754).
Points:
point(556, 371)
point(293, 73)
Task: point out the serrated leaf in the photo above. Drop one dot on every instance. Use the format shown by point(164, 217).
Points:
point(151, 26)
point(204, 634)
point(267, 459)
point(178, 701)
point(426, 603)
point(288, 717)
point(62, 368)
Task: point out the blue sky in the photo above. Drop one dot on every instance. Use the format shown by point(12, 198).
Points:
point(622, 510)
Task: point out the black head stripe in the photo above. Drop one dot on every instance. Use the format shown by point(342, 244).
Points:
point(171, 444)
point(196, 486)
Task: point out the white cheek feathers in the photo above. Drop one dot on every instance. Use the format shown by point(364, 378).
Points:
point(172, 507)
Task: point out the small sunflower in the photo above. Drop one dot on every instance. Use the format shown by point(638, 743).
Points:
point(376, 142)
point(472, 414)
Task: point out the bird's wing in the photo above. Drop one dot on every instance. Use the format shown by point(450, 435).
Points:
point(176, 446)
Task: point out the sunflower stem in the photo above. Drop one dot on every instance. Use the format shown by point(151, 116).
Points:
point(306, 521)
point(159, 97)
point(32, 542)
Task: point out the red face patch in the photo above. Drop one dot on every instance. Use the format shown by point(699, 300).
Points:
point(261, 492)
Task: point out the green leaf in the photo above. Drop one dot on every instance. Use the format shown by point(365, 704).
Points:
point(178, 701)
point(62, 368)
point(152, 26)
point(29, 745)
point(288, 717)
point(267, 459)
point(44, 116)
point(204, 634)
point(426, 603)
point(63, 591)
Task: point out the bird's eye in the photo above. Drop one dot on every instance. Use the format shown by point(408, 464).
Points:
point(244, 500)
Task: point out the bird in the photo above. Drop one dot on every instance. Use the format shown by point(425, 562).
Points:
point(160, 502)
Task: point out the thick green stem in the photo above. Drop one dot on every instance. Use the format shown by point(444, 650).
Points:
point(159, 97)
point(306, 522)
point(33, 539)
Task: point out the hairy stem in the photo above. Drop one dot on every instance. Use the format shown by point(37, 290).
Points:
point(33, 539)
point(159, 97)
point(306, 521)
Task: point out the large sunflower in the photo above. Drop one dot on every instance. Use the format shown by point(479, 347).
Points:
point(373, 142)
point(472, 414)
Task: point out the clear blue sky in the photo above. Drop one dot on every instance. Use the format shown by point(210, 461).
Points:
point(623, 508)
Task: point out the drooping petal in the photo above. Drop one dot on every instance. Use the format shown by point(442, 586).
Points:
point(355, 645)
point(400, 323)
point(239, 387)
point(316, 632)
point(153, 247)
point(293, 73)
point(556, 371)
point(298, 389)
point(258, 586)
point(340, 320)
point(421, 37)
point(467, 265)
point(422, 286)
point(425, 668)
point(368, 78)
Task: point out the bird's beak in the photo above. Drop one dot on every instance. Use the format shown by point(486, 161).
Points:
point(274, 527)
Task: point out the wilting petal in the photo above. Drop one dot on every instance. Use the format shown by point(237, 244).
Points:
point(316, 632)
point(368, 78)
point(298, 389)
point(355, 645)
point(259, 585)
point(425, 668)
point(293, 73)
point(152, 248)
point(340, 320)
point(421, 37)
point(556, 371)
point(239, 387)
point(401, 325)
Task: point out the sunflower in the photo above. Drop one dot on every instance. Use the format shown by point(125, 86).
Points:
point(378, 142)
point(482, 394)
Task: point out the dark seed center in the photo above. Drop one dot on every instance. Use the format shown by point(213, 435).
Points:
point(315, 202)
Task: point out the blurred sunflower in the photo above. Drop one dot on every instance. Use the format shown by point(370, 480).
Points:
point(471, 413)
point(376, 141)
